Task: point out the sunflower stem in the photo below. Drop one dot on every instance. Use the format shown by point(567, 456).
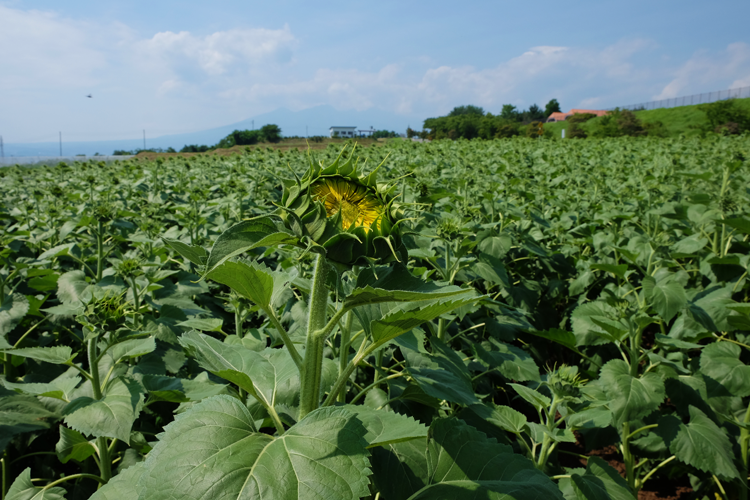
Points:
point(312, 366)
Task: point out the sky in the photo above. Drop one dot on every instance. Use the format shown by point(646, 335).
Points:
point(172, 67)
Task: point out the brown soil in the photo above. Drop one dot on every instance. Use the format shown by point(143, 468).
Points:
point(285, 145)
point(656, 488)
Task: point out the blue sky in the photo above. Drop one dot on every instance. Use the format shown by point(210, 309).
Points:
point(173, 67)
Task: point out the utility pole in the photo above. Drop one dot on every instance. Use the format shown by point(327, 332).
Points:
point(144, 138)
point(60, 143)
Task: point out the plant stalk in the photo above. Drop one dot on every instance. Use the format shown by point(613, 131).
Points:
point(312, 367)
point(99, 250)
point(346, 334)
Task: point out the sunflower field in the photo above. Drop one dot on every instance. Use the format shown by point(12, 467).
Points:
point(505, 319)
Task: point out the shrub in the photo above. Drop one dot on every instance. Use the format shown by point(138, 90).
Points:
point(725, 117)
point(580, 117)
point(618, 123)
point(506, 131)
point(575, 131)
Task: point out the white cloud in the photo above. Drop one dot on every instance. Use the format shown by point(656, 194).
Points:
point(709, 71)
point(221, 52)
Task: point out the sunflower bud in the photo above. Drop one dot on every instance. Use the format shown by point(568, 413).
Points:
point(349, 216)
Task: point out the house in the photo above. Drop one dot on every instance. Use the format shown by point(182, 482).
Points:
point(561, 117)
point(342, 131)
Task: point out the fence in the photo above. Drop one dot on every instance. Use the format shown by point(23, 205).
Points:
point(54, 160)
point(690, 100)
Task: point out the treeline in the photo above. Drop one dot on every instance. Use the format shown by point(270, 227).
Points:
point(469, 122)
point(267, 133)
point(722, 117)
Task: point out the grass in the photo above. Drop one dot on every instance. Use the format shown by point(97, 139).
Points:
point(682, 120)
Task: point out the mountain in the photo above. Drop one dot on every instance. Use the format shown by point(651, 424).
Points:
point(308, 122)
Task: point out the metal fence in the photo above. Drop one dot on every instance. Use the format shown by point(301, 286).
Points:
point(54, 160)
point(690, 100)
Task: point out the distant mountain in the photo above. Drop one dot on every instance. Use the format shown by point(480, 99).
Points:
point(308, 122)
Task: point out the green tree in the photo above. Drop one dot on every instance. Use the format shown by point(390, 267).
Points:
point(467, 110)
point(534, 114)
point(510, 113)
point(552, 107)
point(726, 117)
point(271, 132)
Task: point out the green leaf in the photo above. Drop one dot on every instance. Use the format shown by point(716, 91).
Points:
point(562, 337)
point(491, 269)
point(180, 390)
point(442, 375)
point(405, 317)
point(203, 324)
point(123, 486)
point(112, 416)
point(629, 397)
point(464, 463)
point(20, 414)
point(617, 270)
point(263, 231)
point(400, 469)
point(741, 224)
point(12, 311)
point(58, 355)
point(496, 246)
point(397, 284)
point(512, 362)
point(58, 389)
point(600, 482)
point(73, 446)
point(71, 287)
point(586, 331)
point(23, 489)
point(194, 253)
point(700, 443)
point(667, 297)
point(503, 417)
point(132, 348)
point(214, 451)
point(385, 427)
point(270, 375)
point(536, 399)
point(592, 418)
point(253, 281)
point(721, 362)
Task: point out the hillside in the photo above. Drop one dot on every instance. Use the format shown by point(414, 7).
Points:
point(683, 120)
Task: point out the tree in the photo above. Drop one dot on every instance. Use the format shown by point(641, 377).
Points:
point(552, 107)
point(534, 114)
point(510, 113)
point(467, 110)
point(272, 133)
point(725, 117)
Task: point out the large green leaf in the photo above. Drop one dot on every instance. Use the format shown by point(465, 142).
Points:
point(20, 414)
point(630, 397)
point(253, 281)
point(269, 375)
point(385, 427)
point(404, 317)
point(721, 362)
point(397, 284)
point(57, 355)
point(400, 469)
point(73, 446)
point(12, 311)
point(463, 463)
point(442, 374)
point(132, 348)
point(262, 231)
point(512, 362)
point(112, 416)
point(503, 417)
point(60, 388)
point(599, 482)
point(214, 451)
point(700, 443)
point(588, 332)
point(195, 254)
point(180, 390)
point(667, 297)
point(123, 486)
point(23, 489)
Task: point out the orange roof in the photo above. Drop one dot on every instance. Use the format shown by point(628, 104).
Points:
point(558, 117)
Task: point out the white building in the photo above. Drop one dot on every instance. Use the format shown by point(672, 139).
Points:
point(343, 131)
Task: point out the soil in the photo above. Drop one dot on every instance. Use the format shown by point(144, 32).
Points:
point(656, 488)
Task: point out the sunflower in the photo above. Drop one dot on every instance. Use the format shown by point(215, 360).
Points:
point(357, 205)
point(348, 216)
